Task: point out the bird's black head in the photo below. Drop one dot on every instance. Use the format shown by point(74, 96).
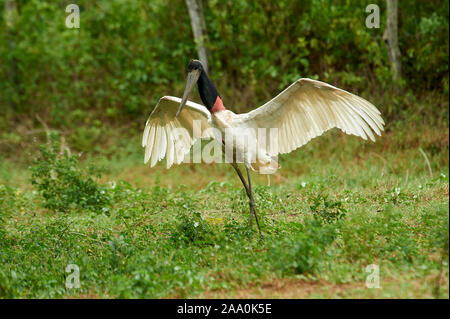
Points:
point(208, 92)
point(195, 65)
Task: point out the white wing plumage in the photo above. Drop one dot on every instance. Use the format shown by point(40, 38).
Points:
point(308, 108)
point(166, 136)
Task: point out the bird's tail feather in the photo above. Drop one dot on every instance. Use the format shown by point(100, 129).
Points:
point(270, 167)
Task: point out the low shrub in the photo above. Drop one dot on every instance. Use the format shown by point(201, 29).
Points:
point(62, 183)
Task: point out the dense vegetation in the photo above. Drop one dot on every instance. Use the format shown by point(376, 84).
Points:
point(73, 189)
point(127, 54)
point(326, 217)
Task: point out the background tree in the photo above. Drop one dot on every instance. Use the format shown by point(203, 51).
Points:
point(11, 16)
point(199, 29)
point(391, 38)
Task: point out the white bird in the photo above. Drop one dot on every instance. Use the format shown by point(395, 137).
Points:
point(304, 110)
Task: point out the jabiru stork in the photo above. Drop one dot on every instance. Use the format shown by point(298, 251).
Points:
point(304, 110)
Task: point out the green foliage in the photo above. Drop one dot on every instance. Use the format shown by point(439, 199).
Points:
point(326, 209)
point(62, 183)
point(301, 252)
point(237, 230)
point(7, 199)
point(158, 242)
point(7, 208)
point(192, 229)
point(396, 196)
point(127, 54)
point(6, 284)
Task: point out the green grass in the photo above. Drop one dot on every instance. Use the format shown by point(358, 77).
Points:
point(337, 205)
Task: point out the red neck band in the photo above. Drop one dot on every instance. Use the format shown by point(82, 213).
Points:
point(218, 106)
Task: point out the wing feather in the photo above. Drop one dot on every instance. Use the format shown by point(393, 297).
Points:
point(168, 137)
point(155, 150)
point(308, 108)
point(163, 144)
point(149, 143)
point(170, 149)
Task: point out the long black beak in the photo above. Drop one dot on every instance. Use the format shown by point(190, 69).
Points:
point(190, 83)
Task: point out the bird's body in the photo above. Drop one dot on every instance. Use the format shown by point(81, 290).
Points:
point(243, 142)
point(304, 110)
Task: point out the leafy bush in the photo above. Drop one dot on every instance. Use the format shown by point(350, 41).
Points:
point(300, 253)
point(326, 209)
point(7, 199)
point(193, 229)
point(238, 231)
point(6, 289)
point(62, 183)
point(7, 206)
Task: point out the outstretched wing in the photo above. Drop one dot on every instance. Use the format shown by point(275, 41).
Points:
point(171, 137)
point(308, 108)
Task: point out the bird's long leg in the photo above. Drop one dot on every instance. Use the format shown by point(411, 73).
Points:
point(248, 190)
point(238, 171)
point(252, 201)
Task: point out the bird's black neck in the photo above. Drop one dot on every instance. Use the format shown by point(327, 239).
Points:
point(209, 94)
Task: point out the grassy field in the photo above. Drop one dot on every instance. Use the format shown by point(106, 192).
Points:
point(336, 206)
